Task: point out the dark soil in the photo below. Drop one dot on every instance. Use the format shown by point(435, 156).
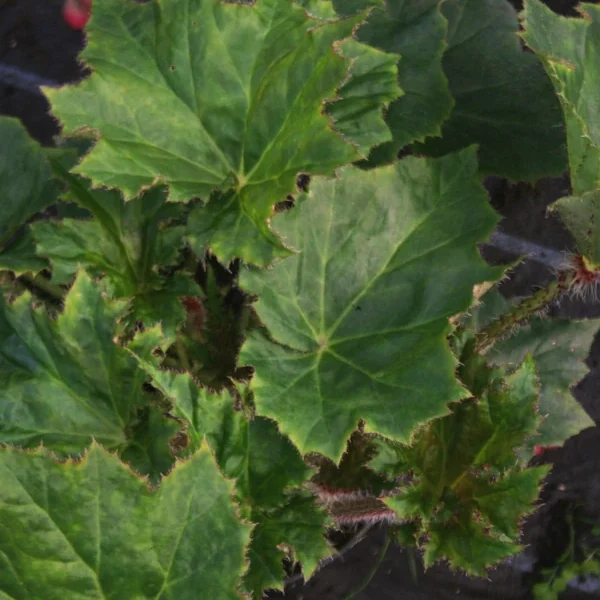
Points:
point(34, 38)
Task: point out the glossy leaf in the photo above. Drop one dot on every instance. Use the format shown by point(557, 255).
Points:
point(358, 317)
point(245, 119)
point(26, 188)
point(94, 530)
point(504, 100)
point(570, 51)
point(65, 382)
point(416, 30)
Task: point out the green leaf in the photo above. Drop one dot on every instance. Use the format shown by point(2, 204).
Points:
point(298, 526)
point(504, 100)
point(361, 335)
point(351, 7)
point(263, 462)
point(477, 433)
point(125, 242)
point(24, 175)
point(25, 189)
point(467, 547)
point(559, 348)
point(352, 473)
point(506, 501)
point(416, 30)
point(461, 476)
point(201, 408)
point(20, 256)
point(65, 382)
point(150, 435)
point(245, 119)
point(371, 84)
point(320, 9)
point(581, 214)
point(570, 51)
point(94, 530)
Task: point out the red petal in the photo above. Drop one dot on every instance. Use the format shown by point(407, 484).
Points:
point(76, 13)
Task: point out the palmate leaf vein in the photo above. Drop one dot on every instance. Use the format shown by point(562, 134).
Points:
point(185, 523)
point(291, 114)
point(66, 539)
point(213, 142)
point(15, 574)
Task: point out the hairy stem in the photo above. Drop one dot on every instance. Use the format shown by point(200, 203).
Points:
point(527, 308)
point(373, 571)
point(44, 285)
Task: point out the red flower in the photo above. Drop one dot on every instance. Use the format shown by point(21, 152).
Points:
point(77, 13)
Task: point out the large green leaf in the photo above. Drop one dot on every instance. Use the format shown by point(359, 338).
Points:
point(559, 348)
point(504, 100)
point(25, 189)
point(570, 51)
point(207, 96)
point(125, 242)
point(416, 30)
point(93, 530)
point(65, 382)
point(358, 317)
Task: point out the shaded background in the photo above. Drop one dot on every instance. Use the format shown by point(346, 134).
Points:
point(34, 39)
